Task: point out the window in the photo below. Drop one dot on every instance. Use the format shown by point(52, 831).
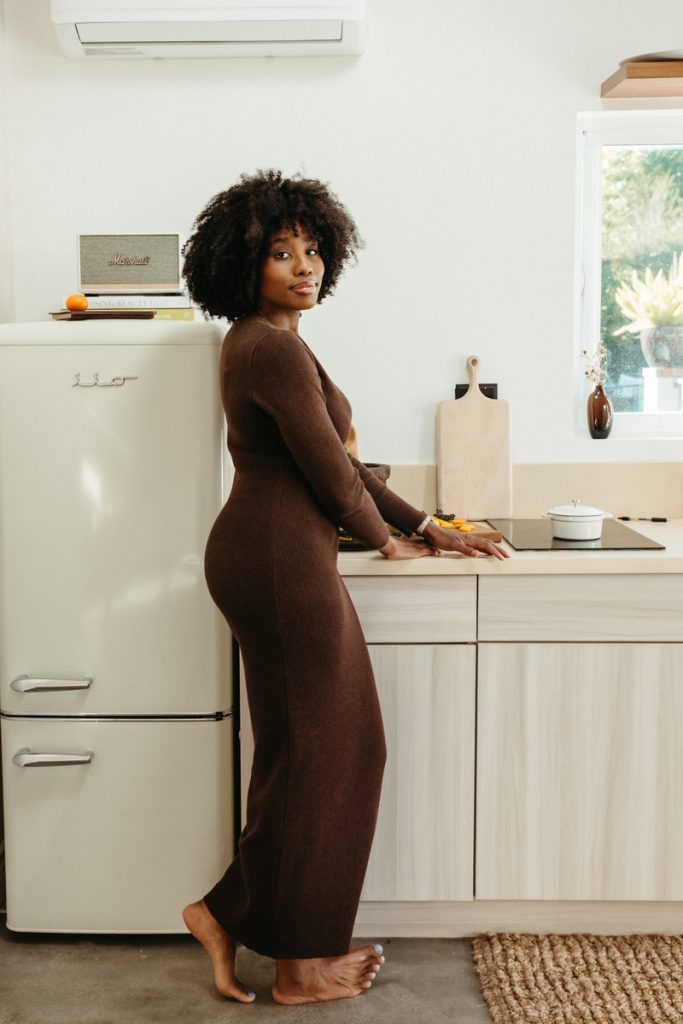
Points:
point(632, 265)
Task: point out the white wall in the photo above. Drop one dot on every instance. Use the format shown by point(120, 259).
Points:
point(6, 253)
point(452, 141)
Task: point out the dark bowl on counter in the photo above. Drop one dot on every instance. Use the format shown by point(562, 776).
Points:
point(380, 469)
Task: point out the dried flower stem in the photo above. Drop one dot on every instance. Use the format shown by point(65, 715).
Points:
point(595, 371)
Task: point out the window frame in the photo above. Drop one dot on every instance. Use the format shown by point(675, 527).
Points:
point(596, 129)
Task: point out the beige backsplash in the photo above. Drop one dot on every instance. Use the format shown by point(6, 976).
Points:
point(633, 489)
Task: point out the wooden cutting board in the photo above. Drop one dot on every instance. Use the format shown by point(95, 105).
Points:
point(487, 532)
point(474, 475)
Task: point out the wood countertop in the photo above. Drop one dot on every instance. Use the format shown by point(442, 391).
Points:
point(531, 563)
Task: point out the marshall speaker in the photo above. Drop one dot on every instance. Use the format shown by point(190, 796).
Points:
point(129, 263)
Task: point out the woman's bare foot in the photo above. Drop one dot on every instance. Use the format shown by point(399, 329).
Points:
point(221, 950)
point(324, 978)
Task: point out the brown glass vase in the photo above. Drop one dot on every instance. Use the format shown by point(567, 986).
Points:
point(599, 409)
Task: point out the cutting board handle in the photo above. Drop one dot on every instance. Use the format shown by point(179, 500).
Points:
point(473, 371)
point(473, 391)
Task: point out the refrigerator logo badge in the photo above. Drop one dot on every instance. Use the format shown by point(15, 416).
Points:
point(115, 382)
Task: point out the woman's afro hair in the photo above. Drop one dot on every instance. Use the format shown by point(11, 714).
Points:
point(224, 255)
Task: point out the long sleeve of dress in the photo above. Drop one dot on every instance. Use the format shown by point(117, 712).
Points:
point(285, 383)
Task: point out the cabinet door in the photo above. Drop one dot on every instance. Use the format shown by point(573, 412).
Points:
point(423, 846)
point(579, 772)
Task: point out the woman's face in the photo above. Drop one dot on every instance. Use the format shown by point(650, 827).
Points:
point(292, 272)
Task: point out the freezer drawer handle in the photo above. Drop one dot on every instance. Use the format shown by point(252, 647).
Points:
point(28, 684)
point(25, 759)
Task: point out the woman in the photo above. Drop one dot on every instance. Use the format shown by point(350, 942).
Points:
point(262, 252)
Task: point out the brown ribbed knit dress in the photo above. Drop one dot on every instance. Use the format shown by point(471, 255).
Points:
point(292, 890)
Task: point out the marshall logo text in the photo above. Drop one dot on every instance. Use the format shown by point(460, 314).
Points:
point(128, 261)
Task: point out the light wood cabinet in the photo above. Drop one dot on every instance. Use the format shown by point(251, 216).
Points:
point(420, 633)
point(535, 769)
point(579, 762)
point(417, 609)
point(423, 845)
point(579, 772)
point(582, 607)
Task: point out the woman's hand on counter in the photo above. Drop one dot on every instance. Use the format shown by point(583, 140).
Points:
point(469, 544)
point(399, 547)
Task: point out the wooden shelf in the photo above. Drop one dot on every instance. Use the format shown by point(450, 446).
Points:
point(645, 78)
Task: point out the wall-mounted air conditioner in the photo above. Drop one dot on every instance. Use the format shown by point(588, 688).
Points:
point(222, 28)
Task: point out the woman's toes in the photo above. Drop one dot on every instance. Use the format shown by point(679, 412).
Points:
point(367, 984)
point(239, 992)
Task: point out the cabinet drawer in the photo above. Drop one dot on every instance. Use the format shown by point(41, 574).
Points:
point(622, 607)
point(419, 609)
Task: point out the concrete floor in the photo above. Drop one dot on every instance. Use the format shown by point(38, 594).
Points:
point(59, 979)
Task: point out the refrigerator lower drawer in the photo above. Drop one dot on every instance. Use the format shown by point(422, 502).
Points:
point(125, 823)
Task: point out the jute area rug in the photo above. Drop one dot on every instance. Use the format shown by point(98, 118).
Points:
point(572, 979)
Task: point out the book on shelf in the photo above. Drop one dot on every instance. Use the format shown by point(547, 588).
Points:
point(103, 314)
point(181, 313)
point(139, 300)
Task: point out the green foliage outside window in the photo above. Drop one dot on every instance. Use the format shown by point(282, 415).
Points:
point(642, 226)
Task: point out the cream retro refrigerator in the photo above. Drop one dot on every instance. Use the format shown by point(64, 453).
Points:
point(115, 689)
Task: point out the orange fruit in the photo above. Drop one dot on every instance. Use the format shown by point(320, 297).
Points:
point(76, 303)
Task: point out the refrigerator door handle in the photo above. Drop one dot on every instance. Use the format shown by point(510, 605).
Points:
point(24, 758)
point(29, 684)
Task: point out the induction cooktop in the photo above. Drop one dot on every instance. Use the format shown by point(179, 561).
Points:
point(537, 535)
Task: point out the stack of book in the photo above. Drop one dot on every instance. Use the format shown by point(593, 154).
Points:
point(165, 306)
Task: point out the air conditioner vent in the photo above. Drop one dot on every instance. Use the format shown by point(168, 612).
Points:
point(208, 32)
point(221, 28)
